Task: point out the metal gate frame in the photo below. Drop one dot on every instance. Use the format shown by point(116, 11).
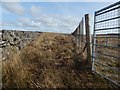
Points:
point(115, 6)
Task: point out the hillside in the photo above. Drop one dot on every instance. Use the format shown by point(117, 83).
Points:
point(50, 61)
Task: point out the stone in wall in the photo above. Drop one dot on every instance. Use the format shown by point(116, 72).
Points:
point(15, 39)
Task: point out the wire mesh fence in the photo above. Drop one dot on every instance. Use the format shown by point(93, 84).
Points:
point(78, 33)
point(82, 36)
point(106, 43)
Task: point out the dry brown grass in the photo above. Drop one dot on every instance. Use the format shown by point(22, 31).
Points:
point(51, 61)
point(14, 73)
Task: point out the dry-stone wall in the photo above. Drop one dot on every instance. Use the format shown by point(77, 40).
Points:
point(10, 39)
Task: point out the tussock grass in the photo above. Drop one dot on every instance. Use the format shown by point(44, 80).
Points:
point(14, 73)
point(49, 62)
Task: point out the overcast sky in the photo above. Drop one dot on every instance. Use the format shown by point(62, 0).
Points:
point(60, 17)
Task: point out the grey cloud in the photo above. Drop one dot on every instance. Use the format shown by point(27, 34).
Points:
point(35, 10)
point(13, 7)
point(49, 23)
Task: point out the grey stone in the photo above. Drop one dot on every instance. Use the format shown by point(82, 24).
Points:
point(14, 38)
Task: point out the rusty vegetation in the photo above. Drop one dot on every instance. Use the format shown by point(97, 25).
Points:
point(51, 61)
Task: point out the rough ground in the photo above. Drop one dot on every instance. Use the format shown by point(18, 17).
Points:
point(51, 61)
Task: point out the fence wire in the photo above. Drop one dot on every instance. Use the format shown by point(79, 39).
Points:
point(79, 34)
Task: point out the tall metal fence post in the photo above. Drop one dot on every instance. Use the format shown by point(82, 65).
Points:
point(77, 37)
point(82, 31)
point(93, 42)
point(79, 34)
point(87, 27)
